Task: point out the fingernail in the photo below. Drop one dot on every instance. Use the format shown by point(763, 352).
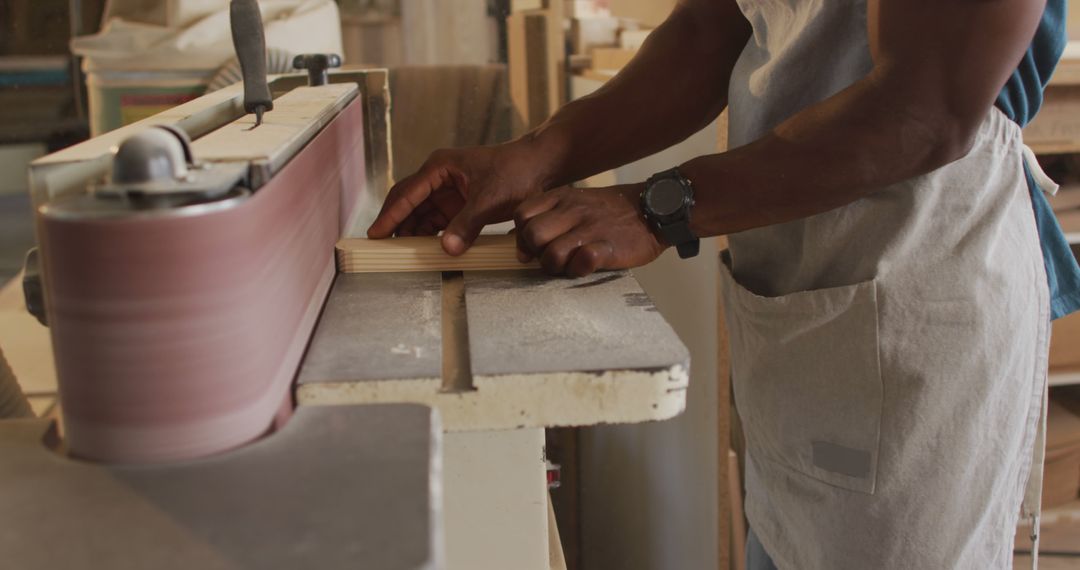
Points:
point(453, 244)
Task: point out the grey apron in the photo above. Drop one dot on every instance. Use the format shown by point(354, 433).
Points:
point(889, 356)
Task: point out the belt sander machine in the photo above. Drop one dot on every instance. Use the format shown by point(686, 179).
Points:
point(216, 369)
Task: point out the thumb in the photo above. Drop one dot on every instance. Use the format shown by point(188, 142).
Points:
point(463, 229)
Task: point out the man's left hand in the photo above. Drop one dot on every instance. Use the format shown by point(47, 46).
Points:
point(577, 231)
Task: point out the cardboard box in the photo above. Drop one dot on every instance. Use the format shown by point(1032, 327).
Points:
point(1061, 474)
point(611, 59)
point(1056, 128)
point(1072, 19)
point(1065, 343)
point(588, 33)
point(649, 12)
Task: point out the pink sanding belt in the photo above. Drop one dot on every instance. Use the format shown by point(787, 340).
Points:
point(179, 337)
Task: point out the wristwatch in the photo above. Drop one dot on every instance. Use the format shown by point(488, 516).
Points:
point(666, 201)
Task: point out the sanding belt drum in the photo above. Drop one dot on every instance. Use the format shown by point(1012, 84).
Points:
point(178, 331)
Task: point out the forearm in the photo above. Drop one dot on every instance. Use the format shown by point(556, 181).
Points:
point(917, 110)
point(675, 85)
point(824, 157)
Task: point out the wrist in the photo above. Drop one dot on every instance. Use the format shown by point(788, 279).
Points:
point(693, 170)
point(633, 194)
point(544, 155)
point(668, 202)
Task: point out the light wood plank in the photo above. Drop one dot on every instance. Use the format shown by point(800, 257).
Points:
point(651, 13)
point(297, 117)
point(556, 558)
point(611, 58)
point(528, 67)
point(1056, 129)
point(42, 405)
point(25, 342)
point(406, 254)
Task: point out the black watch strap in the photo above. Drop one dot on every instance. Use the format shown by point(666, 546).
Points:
point(678, 233)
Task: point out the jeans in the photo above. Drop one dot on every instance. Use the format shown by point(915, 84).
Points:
point(756, 557)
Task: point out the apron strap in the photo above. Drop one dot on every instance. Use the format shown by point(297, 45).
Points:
point(1043, 181)
point(1031, 508)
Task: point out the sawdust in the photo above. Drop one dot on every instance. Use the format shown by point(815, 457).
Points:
point(549, 324)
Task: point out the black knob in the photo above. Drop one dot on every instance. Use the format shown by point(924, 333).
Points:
point(316, 65)
point(33, 291)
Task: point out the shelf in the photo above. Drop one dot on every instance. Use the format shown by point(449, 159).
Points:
point(1068, 69)
point(1063, 377)
point(1069, 512)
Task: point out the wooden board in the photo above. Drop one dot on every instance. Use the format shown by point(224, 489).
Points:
point(13, 403)
point(556, 557)
point(374, 85)
point(649, 12)
point(297, 117)
point(731, 535)
point(1065, 344)
point(338, 487)
point(405, 254)
point(1056, 128)
point(530, 80)
point(544, 352)
point(66, 172)
point(25, 343)
point(611, 59)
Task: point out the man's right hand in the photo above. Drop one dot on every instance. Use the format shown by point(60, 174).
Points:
point(459, 191)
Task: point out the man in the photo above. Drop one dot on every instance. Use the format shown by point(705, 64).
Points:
point(885, 286)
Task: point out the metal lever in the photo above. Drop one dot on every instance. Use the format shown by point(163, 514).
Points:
point(33, 292)
point(249, 39)
point(316, 65)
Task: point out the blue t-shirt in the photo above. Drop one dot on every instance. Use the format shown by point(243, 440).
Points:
point(1020, 100)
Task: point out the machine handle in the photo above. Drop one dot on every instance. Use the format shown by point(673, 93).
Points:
point(33, 291)
point(249, 39)
point(317, 65)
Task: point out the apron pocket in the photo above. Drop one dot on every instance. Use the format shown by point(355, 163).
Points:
point(807, 378)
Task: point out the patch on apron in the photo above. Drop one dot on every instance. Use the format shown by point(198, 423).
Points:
point(842, 460)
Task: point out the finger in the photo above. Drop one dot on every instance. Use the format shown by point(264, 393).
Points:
point(558, 253)
point(407, 227)
point(404, 197)
point(533, 207)
point(544, 228)
point(432, 224)
point(462, 231)
point(526, 211)
point(590, 258)
point(523, 253)
point(447, 200)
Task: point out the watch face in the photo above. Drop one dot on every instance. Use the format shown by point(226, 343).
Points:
point(665, 197)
